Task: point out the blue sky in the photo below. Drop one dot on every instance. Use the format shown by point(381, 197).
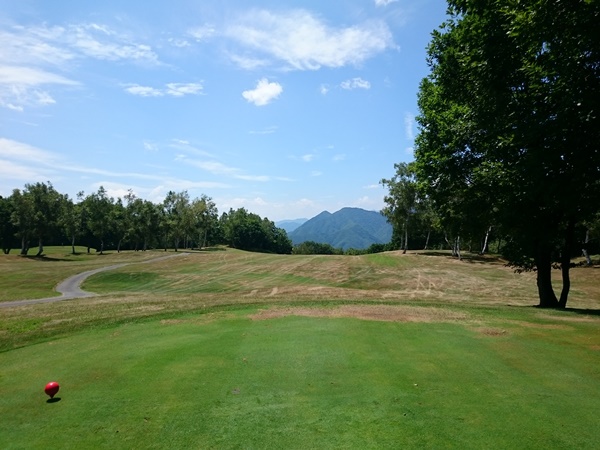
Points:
point(284, 108)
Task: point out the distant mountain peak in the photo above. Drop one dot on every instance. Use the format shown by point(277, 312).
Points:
point(350, 227)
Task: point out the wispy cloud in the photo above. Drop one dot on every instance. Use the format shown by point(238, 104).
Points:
point(25, 163)
point(302, 41)
point(33, 57)
point(22, 87)
point(100, 42)
point(170, 89)
point(264, 93)
point(220, 169)
point(384, 2)
point(268, 130)
point(203, 32)
point(409, 122)
point(355, 83)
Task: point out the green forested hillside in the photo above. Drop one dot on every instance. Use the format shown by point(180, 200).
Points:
point(346, 228)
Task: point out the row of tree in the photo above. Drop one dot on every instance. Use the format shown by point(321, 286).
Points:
point(509, 135)
point(38, 215)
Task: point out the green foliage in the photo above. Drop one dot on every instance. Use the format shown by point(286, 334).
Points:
point(510, 127)
point(248, 231)
point(315, 248)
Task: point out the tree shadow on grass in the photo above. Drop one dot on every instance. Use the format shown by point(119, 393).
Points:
point(586, 312)
point(582, 311)
point(45, 258)
point(53, 400)
point(467, 257)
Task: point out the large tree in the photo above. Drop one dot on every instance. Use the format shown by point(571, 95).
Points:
point(509, 116)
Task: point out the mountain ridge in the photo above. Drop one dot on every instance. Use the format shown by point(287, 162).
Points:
point(347, 228)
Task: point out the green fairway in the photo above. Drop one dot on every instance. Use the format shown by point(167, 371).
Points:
point(230, 349)
point(227, 381)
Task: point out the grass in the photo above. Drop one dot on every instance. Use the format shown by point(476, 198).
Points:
point(229, 349)
point(31, 277)
point(223, 381)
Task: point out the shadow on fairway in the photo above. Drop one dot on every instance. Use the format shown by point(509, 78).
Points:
point(587, 312)
point(45, 258)
point(466, 256)
point(53, 400)
point(582, 311)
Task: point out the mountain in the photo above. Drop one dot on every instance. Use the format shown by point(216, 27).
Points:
point(290, 225)
point(347, 228)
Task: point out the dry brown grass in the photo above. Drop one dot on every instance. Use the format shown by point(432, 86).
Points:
point(386, 313)
point(390, 286)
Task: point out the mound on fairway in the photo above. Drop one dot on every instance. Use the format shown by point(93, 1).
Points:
point(297, 377)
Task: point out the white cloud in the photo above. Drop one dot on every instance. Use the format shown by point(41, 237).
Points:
point(304, 42)
point(409, 151)
point(409, 121)
point(179, 43)
point(181, 89)
point(19, 86)
point(150, 146)
point(202, 33)
point(339, 157)
point(100, 42)
point(248, 63)
point(316, 173)
point(144, 91)
point(28, 76)
point(268, 130)
point(261, 178)
point(31, 56)
point(27, 153)
point(355, 83)
point(171, 89)
point(308, 157)
point(324, 89)
point(264, 92)
point(384, 2)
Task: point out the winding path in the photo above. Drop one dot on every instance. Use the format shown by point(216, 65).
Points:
point(71, 287)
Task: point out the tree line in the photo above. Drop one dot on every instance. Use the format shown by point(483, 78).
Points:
point(509, 136)
point(38, 215)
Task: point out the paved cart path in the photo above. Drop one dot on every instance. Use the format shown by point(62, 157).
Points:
point(71, 287)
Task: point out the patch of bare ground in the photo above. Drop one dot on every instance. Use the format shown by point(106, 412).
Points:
point(493, 332)
point(386, 313)
point(541, 326)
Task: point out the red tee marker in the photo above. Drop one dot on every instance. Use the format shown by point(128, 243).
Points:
point(51, 389)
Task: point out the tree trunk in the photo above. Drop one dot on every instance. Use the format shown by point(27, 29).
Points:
point(565, 264)
point(405, 237)
point(40, 247)
point(24, 247)
point(484, 248)
point(102, 246)
point(427, 239)
point(205, 236)
point(543, 263)
point(457, 247)
point(73, 244)
point(588, 260)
